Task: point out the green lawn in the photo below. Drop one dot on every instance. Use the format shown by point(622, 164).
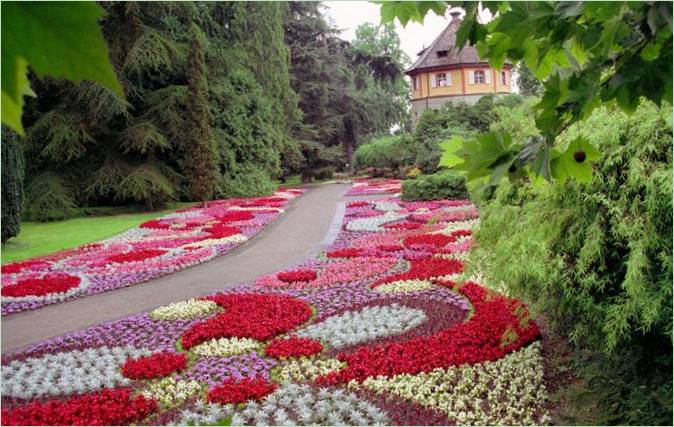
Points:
point(41, 238)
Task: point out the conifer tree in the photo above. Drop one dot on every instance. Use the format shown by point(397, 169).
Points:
point(200, 162)
point(12, 183)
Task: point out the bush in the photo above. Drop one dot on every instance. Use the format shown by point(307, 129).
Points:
point(12, 184)
point(48, 198)
point(596, 258)
point(441, 185)
point(390, 152)
point(245, 183)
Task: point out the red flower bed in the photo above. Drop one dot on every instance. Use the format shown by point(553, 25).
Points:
point(390, 248)
point(482, 338)
point(220, 231)
point(424, 269)
point(48, 284)
point(404, 225)
point(359, 204)
point(15, 267)
point(461, 233)
point(154, 366)
point(235, 216)
point(437, 240)
point(156, 224)
point(293, 347)
point(104, 408)
point(240, 392)
point(138, 255)
point(249, 316)
point(345, 253)
point(297, 276)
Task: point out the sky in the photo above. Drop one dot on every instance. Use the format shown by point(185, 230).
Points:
point(347, 15)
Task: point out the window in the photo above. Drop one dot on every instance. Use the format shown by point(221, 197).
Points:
point(504, 78)
point(442, 53)
point(441, 79)
point(478, 77)
point(415, 83)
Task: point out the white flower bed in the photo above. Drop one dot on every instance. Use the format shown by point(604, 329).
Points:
point(224, 347)
point(170, 393)
point(386, 206)
point(402, 286)
point(509, 391)
point(204, 414)
point(72, 372)
point(188, 309)
point(295, 404)
point(367, 324)
point(374, 223)
point(305, 369)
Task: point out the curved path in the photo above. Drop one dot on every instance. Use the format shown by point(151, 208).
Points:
point(310, 222)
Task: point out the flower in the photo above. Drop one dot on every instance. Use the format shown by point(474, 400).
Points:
point(50, 283)
point(154, 366)
point(293, 276)
point(293, 347)
point(240, 392)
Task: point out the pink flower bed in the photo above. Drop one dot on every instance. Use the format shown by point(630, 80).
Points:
point(369, 186)
point(155, 248)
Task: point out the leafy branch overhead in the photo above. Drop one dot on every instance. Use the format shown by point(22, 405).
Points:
point(586, 54)
point(56, 39)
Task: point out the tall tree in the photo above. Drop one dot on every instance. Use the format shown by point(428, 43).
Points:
point(200, 159)
point(12, 183)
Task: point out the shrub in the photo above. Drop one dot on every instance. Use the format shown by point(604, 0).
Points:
point(245, 183)
point(12, 184)
point(390, 152)
point(596, 258)
point(48, 198)
point(441, 185)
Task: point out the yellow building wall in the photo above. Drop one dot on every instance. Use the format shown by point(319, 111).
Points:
point(460, 80)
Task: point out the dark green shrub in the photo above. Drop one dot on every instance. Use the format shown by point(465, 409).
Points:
point(48, 198)
point(245, 183)
point(390, 152)
point(438, 186)
point(596, 258)
point(12, 184)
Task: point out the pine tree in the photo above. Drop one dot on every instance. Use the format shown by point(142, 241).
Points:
point(200, 162)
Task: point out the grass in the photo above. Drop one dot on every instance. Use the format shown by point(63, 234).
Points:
point(41, 238)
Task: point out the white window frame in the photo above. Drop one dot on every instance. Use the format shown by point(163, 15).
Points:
point(441, 81)
point(482, 77)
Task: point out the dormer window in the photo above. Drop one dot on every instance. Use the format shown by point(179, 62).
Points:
point(442, 53)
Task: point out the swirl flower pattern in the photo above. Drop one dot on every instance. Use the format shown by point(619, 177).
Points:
point(378, 329)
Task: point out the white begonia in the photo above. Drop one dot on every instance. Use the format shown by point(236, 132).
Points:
point(188, 309)
point(170, 392)
point(305, 369)
point(386, 206)
point(413, 285)
point(510, 390)
point(374, 223)
point(287, 406)
point(224, 347)
point(77, 371)
point(367, 324)
point(236, 238)
point(205, 413)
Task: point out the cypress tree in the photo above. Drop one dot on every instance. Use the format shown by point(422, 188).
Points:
point(12, 183)
point(200, 162)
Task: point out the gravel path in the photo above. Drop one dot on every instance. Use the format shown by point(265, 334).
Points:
point(310, 222)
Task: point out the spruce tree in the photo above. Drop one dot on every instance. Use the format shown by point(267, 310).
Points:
point(200, 162)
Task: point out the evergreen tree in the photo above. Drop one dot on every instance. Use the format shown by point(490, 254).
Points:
point(200, 162)
point(12, 183)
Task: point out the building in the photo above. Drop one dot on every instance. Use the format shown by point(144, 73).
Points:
point(444, 73)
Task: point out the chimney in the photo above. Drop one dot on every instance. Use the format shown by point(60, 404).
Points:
point(455, 15)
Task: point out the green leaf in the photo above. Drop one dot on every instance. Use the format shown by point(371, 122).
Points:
point(449, 148)
point(575, 161)
point(58, 39)
point(482, 153)
point(403, 10)
point(11, 108)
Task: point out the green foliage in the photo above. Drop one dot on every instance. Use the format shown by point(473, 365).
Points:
point(58, 39)
point(386, 152)
point(200, 162)
point(245, 183)
point(587, 53)
point(528, 84)
point(595, 257)
point(438, 186)
point(48, 198)
point(12, 184)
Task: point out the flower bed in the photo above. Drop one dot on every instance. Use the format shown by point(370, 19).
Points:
point(155, 248)
point(378, 329)
point(370, 186)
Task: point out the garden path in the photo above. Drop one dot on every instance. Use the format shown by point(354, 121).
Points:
point(310, 222)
